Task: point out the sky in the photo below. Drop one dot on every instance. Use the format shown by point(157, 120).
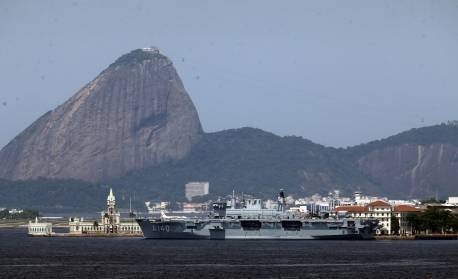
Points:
point(339, 73)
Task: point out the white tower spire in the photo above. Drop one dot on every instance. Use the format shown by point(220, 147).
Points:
point(111, 198)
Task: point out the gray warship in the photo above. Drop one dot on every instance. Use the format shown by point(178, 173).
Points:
point(250, 221)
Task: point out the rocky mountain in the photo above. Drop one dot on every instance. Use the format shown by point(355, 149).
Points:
point(420, 162)
point(135, 114)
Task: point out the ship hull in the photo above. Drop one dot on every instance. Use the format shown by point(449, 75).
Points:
point(238, 230)
point(169, 230)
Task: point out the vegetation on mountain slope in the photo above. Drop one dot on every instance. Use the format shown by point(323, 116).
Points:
point(248, 160)
point(445, 133)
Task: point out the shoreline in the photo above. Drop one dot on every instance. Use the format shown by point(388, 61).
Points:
point(418, 237)
point(105, 235)
point(13, 224)
point(22, 224)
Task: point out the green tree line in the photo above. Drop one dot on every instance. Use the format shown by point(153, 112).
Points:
point(26, 214)
point(434, 220)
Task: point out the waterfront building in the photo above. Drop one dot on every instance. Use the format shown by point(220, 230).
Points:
point(110, 222)
point(111, 216)
point(80, 226)
point(401, 212)
point(322, 205)
point(334, 199)
point(318, 205)
point(381, 211)
point(39, 228)
point(452, 201)
point(378, 210)
point(196, 189)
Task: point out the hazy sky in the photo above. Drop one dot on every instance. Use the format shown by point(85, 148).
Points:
point(336, 72)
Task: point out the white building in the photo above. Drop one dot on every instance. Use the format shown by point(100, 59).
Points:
point(39, 229)
point(196, 189)
point(381, 211)
point(79, 226)
point(401, 212)
point(15, 211)
point(364, 200)
point(110, 222)
point(452, 201)
point(403, 202)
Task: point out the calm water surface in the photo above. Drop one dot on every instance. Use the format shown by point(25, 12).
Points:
point(35, 257)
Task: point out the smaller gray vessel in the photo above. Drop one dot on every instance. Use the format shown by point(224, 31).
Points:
point(251, 221)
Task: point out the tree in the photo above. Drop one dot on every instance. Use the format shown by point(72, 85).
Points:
point(24, 214)
point(414, 220)
point(4, 214)
point(454, 223)
point(394, 225)
point(433, 220)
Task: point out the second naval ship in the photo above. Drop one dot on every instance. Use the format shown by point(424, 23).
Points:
point(251, 221)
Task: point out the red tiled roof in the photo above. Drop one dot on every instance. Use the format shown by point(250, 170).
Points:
point(352, 208)
point(379, 203)
point(405, 208)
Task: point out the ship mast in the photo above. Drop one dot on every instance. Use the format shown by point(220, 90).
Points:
point(281, 201)
point(233, 199)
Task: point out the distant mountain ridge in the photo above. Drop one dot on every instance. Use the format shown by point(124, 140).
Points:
point(253, 161)
point(446, 133)
point(420, 162)
point(257, 162)
point(134, 127)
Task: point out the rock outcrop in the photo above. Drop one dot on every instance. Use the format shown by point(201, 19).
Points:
point(135, 114)
point(412, 170)
point(418, 163)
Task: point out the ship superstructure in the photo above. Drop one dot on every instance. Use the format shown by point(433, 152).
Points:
point(249, 220)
